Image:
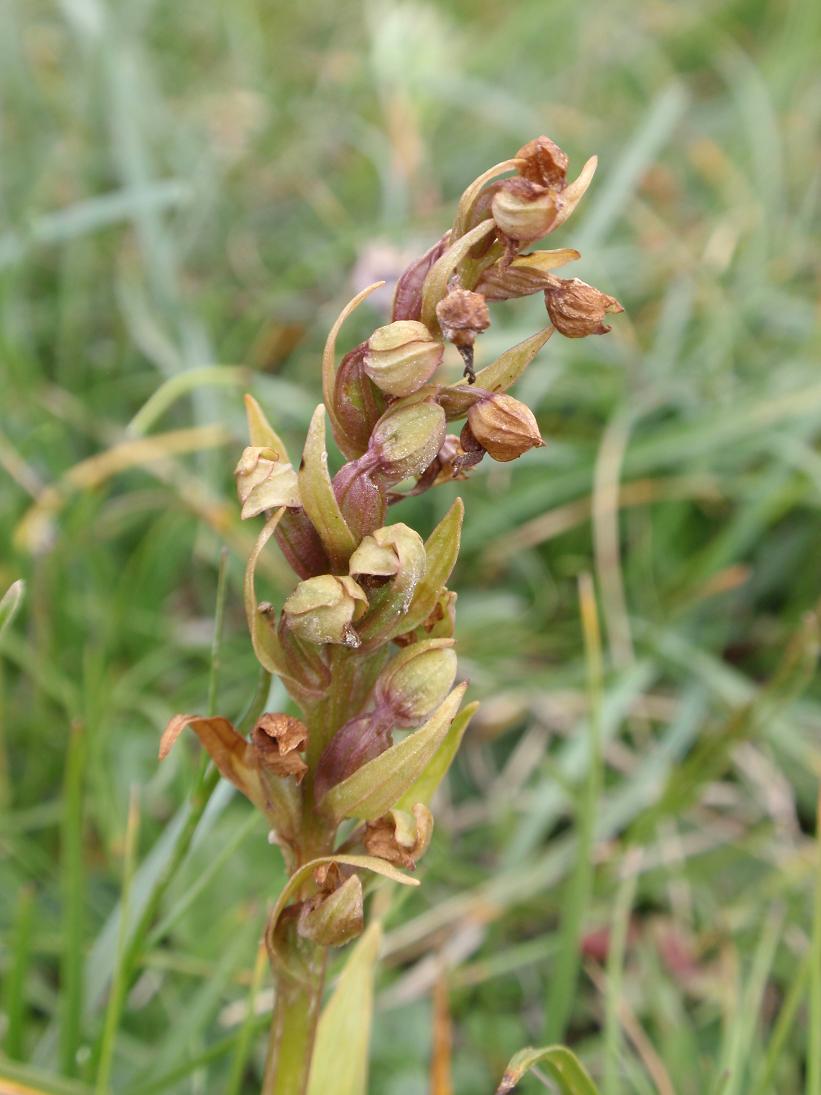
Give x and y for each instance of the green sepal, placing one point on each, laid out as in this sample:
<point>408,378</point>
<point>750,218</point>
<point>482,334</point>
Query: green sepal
<point>260,431</point>
<point>380,783</point>
<point>318,498</point>
<point>436,283</point>
<point>301,671</point>
<point>425,787</point>
<point>346,444</point>
<point>472,192</point>
<point>441,552</point>
<point>457,399</point>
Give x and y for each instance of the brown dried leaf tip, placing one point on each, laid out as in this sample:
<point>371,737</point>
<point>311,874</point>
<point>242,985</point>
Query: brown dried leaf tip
<point>278,740</point>
<point>399,837</point>
<point>576,309</point>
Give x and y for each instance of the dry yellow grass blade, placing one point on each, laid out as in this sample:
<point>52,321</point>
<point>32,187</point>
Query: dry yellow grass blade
<point>35,530</point>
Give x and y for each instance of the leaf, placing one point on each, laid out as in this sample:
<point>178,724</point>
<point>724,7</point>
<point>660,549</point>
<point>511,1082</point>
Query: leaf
<point>305,872</point>
<point>262,434</point>
<point>561,1065</point>
<point>378,785</point>
<point>300,667</point>
<point>340,1059</point>
<point>263,636</point>
<point>457,399</point>
<point>506,369</point>
<point>441,552</point>
<point>228,749</point>
<point>329,369</point>
<point>436,283</point>
<point>425,786</point>
<point>10,603</point>
<point>238,762</point>
<point>318,498</point>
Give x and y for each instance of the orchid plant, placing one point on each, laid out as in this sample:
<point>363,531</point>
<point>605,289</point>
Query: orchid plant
<point>364,644</point>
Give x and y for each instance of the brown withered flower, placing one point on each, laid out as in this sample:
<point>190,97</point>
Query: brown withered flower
<point>503,426</point>
<point>462,316</point>
<point>400,837</point>
<point>576,309</point>
<point>544,163</point>
<point>277,741</point>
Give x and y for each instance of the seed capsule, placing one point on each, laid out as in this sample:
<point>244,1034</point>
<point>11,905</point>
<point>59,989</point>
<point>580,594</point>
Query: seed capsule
<point>402,356</point>
<point>321,609</point>
<point>503,426</point>
<point>577,309</point>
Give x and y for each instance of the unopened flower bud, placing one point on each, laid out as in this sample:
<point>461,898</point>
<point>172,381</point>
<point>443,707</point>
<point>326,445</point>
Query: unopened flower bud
<point>334,918</point>
<point>577,309</point>
<point>388,551</point>
<point>405,440</point>
<point>523,210</point>
<point>416,681</point>
<point>264,481</point>
<point>399,837</point>
<point>402,356</point>
<point>358,403</point>
<point>504,426</point>
<point>322,609</point>
<point>277,742</point>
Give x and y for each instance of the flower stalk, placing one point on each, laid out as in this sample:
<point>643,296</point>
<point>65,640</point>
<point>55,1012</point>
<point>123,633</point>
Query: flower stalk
<point>364,643</point>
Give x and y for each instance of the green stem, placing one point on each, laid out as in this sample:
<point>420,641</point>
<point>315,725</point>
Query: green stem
<point>293,1029</point>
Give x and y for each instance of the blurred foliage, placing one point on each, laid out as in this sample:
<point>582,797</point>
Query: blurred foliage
<point>189,194</point>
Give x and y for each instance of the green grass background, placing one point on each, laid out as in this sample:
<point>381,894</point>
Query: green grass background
<point>189,193</point>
